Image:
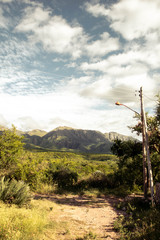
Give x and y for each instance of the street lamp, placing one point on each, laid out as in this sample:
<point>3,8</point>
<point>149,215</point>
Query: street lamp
<point>121,104</point>
<point>145,149</point>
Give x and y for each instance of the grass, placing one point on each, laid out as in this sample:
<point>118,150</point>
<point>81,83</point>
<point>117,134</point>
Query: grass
<point>44,188</point>
<point>29,223</point>
<point>141,222</point>
<point>21,223</point>
<point>88,236</point>
<point>40,220</point>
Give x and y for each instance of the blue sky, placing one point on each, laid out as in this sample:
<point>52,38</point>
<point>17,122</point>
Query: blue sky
<point>66,62</point>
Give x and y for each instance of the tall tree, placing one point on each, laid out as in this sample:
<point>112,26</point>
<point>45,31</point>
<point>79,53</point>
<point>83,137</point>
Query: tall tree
<point>10,148</point>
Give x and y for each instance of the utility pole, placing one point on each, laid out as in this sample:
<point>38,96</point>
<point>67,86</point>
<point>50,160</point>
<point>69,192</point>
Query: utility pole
<point>146,153</point>
<point>144,148</point>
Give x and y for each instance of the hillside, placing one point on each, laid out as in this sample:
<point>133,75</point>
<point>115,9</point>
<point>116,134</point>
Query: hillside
<point>36,132</point>
<point>69,139</point>
<point>113,136</point>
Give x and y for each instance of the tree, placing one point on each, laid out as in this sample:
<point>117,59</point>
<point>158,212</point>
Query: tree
<point>130,162</point>
<point>153,125</point>
<point>10,148</point>
<point>158,110</point>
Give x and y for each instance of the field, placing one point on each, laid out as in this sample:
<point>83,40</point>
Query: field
<point>74,197</point>
<point>59,211</point>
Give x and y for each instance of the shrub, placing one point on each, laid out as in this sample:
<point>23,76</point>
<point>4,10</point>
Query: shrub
<point>14,192</point>
<point>100,180</point>
<point>65,178</point>
<point>141,221</point>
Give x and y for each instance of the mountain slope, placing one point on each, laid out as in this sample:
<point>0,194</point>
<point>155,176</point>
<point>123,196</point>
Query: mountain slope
<point>78,140</point>
<point>36,132</point>
<point>113,136</point>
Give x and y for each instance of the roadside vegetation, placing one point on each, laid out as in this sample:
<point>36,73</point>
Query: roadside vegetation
<point>24,172</point>
<point>141,221</point>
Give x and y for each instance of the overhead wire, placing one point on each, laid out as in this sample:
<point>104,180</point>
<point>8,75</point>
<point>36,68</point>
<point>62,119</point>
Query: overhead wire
<point>150,98</point>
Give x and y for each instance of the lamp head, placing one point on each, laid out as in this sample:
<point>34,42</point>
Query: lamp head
<point>118,103</point>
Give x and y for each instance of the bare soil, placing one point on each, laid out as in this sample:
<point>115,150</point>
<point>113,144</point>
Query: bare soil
<point>82,215</point>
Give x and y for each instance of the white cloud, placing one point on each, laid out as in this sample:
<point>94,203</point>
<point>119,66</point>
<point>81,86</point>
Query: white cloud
<point>135,18</point>
<point>3,121</point>
<point>99,66</point>
<point>34,17</point>
<point>5,1</point>
<point>97,89</point>
<point>103,46</point>
<point>81,102</point>
<point>57,121</point>
<point>126,70</point>
<point>57,35</point>
<point>27,123</point>
<point>3,20</point>
<point>96,9</point>
<point>120,83</point>
<point>134,59</point>
<point>116,119</point>
<point>132,19</point>
<point>53,32</point>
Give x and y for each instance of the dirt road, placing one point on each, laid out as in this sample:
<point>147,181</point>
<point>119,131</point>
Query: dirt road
<point>84,216</point>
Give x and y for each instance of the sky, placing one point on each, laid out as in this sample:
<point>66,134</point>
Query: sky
<point>66,63</point>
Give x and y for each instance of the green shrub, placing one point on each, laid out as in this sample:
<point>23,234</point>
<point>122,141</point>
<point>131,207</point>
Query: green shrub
<point>14,192</point>
<point>141,222</point>
<point>100,180</point>
<point>65,178</point>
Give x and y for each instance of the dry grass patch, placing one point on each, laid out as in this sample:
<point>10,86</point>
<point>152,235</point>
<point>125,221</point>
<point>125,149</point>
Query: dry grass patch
<point>21,223</point>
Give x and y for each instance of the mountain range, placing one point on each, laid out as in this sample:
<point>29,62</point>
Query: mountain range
<point>70,139</point>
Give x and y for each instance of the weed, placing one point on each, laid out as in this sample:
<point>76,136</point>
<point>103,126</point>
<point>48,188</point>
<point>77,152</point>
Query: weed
<point>88,236</point>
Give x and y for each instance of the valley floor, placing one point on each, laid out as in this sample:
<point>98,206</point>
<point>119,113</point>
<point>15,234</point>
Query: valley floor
<point>81,217</point>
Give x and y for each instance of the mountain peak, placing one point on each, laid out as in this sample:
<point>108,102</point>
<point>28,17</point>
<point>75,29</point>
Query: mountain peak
<point>63,128</point>
<point>36,132</point>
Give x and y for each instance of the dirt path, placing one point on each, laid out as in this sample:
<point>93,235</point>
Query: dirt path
<point>84,215</point>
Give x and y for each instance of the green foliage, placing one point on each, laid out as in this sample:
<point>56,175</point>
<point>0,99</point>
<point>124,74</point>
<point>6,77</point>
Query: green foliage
<point>155,157</point>
<point>158,110</point>
<point>30,170</point>
<point>153,127</point>
<point>64,178</point>
<point>10,148</point>
<point>100,180</point>
<point>141,222</point>
<point>38,169</point>
<point>126,149</point>
<point>129,171</point>
<point>14,192</point>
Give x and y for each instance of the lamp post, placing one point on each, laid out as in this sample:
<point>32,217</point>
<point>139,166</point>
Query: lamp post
<point>121,104</point>
<point>145,148</point>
